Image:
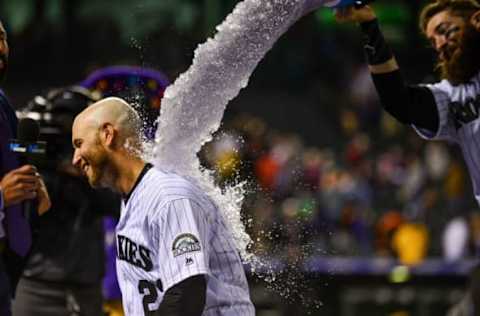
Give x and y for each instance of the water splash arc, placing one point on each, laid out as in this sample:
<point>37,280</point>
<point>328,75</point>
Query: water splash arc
<point>193,107</point>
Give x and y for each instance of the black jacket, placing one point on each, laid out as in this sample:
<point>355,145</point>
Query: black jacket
<point>69,241</point>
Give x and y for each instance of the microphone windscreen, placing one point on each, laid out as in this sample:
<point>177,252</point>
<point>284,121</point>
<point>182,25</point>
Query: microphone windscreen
<point>28,130</point>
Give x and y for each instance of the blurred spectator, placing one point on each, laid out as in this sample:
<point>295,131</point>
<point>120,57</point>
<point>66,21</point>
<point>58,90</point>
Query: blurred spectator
<point>385,228</point>
<point>410,241</point>
<point>455,239</point>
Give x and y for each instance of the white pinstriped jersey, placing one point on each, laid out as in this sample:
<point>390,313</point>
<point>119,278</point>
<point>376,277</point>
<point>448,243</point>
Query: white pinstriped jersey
<point>459,110</point>
<point>169,230</point>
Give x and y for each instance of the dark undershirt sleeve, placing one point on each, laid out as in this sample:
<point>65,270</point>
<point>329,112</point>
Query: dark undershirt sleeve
<point>186,298</point>
<point>408,104</point>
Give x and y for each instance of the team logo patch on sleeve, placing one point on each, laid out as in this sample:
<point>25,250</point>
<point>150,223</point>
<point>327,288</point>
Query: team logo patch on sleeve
<point>185,243</point>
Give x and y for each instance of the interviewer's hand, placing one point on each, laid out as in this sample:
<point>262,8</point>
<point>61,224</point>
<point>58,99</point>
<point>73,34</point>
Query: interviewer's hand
<point>350,14</point>
<point>19,185</point>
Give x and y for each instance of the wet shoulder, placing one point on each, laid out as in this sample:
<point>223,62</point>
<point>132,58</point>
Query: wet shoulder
<point>165,187</point>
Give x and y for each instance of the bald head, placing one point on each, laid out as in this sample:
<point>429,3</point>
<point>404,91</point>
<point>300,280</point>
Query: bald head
<point>113,116</point>
<point>113,111</point>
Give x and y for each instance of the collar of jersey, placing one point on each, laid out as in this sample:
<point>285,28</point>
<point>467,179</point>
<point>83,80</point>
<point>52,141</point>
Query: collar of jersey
<point>147,167</point>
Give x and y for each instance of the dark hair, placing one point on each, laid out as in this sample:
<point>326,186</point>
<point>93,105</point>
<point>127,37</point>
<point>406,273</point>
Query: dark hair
<point>462,8</point>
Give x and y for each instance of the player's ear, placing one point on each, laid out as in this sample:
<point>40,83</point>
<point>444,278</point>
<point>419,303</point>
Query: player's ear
<point>475,20</point>
<point>107,134</point>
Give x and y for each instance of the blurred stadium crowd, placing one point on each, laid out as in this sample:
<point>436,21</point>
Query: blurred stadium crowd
<point>384,192</point>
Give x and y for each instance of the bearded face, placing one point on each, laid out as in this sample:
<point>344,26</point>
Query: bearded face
<point>457,44</point>
<point>93,161</point>
<point>459,61</point>
<point>95,168</point>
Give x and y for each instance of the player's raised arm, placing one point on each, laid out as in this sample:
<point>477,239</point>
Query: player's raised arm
<point>379,56</point>
<point>413,105</point>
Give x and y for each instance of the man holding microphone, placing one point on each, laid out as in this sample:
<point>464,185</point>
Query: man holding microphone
<point>17,184</point>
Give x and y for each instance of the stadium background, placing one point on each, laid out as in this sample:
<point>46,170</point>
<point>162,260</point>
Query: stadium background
<point>378,221</point>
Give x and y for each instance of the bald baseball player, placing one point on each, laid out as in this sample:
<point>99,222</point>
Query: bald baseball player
<point>175,254</point>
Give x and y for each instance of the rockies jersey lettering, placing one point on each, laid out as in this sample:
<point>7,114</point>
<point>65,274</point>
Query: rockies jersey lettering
<point>169,230</point>
<point>459,109</point>
<point>134,254</point>
<point>465,112</point>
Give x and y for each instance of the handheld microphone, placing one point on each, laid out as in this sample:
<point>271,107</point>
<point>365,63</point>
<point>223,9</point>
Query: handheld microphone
<point>29,149</point>
<point>26,144</point>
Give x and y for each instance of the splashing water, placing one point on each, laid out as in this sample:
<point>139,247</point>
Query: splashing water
<point>193,107</point>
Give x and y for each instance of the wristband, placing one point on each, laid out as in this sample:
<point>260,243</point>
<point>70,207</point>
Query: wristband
<point>376,48</point>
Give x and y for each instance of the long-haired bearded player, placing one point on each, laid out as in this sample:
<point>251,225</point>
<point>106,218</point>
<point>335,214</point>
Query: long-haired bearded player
<point>449,109</point>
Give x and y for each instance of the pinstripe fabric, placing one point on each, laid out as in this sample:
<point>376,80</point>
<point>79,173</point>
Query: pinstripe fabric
<point>459,112</point>
<point>184,235</point>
